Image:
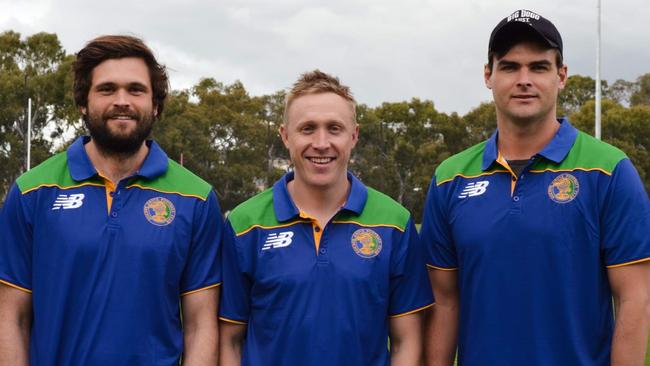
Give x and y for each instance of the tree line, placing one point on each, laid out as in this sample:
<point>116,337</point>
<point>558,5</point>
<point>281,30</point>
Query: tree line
<point>229,137</point>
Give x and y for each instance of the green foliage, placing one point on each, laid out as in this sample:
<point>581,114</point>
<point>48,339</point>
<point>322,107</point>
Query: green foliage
<point>230,138</point>
<point>626,128</point>
<point>35,67</point>
<point>227,137</point>
<point>641,94</point>
<point>399,147</point>
<point>577,91</point>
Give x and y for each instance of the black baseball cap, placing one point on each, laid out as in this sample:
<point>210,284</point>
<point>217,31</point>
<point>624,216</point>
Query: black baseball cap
<point>522,21</point>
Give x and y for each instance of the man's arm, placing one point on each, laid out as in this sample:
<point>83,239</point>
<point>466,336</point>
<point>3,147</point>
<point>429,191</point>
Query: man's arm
<point>631,288</point>
<point>232,341</point>
<point>406,340</point>
<point>441,327</point>
<point>15,326</point>
<point>200,329</point>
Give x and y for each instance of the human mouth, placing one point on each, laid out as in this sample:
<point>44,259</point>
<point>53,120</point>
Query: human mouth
<point>524,96</point>
<point>320,160</point>
<point>122,117</point>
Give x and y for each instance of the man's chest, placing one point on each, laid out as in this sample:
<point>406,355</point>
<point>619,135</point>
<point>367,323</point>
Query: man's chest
<point>82,223</point>
<point>536,212</point>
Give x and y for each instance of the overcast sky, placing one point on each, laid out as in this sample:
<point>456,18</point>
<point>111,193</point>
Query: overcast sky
<point>384,50</point>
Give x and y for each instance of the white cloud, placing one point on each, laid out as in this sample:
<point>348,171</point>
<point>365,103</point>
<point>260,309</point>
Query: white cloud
<point>385,50</point>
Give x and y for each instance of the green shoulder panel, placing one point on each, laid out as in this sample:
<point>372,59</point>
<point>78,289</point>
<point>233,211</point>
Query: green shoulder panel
<point>380,210</point>
<point>52,172</point>
<point>256,211</point>
<point>466,163</point>
<point>176,179</point>
<point>587,153</point>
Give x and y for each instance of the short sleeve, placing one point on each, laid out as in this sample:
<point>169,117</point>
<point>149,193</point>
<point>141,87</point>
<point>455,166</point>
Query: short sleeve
<point>435,232</point>
<point>235,295</point>
<point>410,290</point>
<point>15,242</point>
<point>203,267</point>
<point>625,218</point>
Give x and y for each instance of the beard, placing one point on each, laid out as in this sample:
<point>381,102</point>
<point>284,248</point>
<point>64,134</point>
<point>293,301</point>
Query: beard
<point>120,145</point>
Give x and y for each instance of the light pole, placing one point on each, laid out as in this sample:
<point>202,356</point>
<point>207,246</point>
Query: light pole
<point>597,128</point>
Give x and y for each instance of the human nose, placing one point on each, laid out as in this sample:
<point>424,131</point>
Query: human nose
<point>321,139</point>
<point>121,98</point>
<point>523,78</point>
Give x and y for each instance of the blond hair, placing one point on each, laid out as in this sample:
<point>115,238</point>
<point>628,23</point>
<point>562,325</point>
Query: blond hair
<point>316,82</point>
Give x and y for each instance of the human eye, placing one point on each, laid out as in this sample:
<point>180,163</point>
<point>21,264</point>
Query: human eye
<point>105,89</point>
<point>137,89</point>
<point>335,128</point>
<point>507,67</point>
<point>307,129</point>
<point>540,67</point>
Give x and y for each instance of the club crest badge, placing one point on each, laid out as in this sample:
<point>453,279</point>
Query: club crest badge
<point>159,211</point>
<point>366,243</point>
<point>564,188</point>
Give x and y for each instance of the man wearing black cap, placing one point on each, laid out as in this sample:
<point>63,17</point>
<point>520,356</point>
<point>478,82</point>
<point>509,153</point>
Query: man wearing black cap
<point>532,232</point>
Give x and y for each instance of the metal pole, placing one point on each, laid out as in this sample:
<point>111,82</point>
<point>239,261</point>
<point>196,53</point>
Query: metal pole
<point>29,132</point>
<point>598,89</point>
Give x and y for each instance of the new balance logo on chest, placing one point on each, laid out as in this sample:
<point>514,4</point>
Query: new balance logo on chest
<point>474,189</point>
<point>66,202</point>
<point>278,240</point>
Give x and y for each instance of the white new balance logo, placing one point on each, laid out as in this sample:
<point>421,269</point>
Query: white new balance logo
<point>278,240</point>
<point>67,202</point>
<point>474,189</point>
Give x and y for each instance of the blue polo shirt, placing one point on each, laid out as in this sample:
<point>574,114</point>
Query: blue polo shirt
<point>532,250</point>
<point>313,295</point>
<point>107,265</point>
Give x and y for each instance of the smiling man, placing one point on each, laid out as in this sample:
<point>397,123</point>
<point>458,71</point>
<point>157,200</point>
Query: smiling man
<point>104,246</point>
<point>532,232</point>
<point>322,268</point>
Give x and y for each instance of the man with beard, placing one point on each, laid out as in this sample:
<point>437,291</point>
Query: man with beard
<point>104,247</point>
<point>532,232</point>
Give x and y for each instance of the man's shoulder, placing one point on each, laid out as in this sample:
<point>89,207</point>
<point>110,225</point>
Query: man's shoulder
<point>53,172</point>
<point>257,211</point>
<point>382,210</point>
<point>177,180</point>
<point>466,163</point>
<point>589,153</point>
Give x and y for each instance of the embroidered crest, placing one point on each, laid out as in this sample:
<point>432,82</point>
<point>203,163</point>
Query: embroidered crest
<point>564,188</point>
<point>159,211</point>
<point>366,243</point>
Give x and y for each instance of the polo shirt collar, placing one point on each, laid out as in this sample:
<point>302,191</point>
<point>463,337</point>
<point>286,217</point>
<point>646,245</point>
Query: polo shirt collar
<point>81,168</point>
<point>285,209</point>
<point>555,151</point>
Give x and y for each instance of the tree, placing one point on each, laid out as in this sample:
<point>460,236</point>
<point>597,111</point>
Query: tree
<point>577,91</point>
<point>621,91</point>
<point>641,95</point>
<point>228,138</point>
<point>625,128</point>
<point>35,67</point>
<point>480,123</point>
<point>399,147</point>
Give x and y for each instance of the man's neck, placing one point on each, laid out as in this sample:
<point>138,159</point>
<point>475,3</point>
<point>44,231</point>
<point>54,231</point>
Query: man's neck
<point>522,141</point>
<point>116,167</point>
<point>317,202</point>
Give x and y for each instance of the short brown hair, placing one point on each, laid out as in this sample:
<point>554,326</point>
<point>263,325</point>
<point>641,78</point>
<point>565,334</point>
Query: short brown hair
<point>316,82</point>
<point>109,47</point>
